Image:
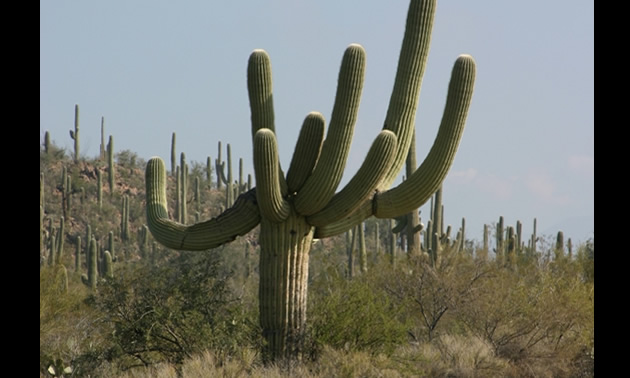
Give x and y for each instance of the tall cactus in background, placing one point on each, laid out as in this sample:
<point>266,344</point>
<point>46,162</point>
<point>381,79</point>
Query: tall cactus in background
<point>362,248</point>
<point>293,209</point>
<point>500,247</point>
<point>124,219</point>
<point>74,134</point>
<point>77,255</point>
<point>559,250</point>
<point>414,227</point>
<point>90,279</point>
<point>47,142</point>
<point>102,147</point>
<point>173,155</point>
<point>219,166</point>
<point>110,164</point>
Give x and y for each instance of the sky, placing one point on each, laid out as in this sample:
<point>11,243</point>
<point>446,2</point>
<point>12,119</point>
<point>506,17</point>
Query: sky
<point>151,68</point>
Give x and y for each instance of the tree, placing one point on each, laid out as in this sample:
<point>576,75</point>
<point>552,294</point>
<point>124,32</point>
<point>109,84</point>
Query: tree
<point>293,209</point>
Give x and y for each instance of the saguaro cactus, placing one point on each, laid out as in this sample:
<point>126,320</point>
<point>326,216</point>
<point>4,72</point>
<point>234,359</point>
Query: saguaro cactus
<point>173,155</point>
<point>293,209</point>
<point>102,147</point>
<point>110,163</point>
<point>74,134</point>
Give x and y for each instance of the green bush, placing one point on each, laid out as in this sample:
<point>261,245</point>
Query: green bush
<point>355,315</point>
<point>170,312</point>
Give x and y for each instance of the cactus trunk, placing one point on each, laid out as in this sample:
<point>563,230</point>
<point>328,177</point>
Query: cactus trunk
<point>284,254</point>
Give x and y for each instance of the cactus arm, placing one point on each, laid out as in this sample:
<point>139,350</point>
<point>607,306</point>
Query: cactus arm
<point>403,103</point>
<point>307,150</point>
<point>414,191</point>
<point>418,188</point>
<point>266,167</point>
<point>260,91</point>
<point>362,186</point>
<point>321,185</point>
<point>237,220</point>
<point>259,87</point>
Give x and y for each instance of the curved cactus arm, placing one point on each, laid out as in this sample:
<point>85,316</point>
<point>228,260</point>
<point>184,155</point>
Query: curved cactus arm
<point>269,194</point>
<point>403,103</point>
<point>259,86</point>
<point>260,91</point>
<point>237,220</point>
<point>322,183</point>
<point>307,149</point>
<point>418,188</point>
<point>364,183</point>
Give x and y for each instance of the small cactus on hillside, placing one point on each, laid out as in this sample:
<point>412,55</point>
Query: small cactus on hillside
<point>75,134</point>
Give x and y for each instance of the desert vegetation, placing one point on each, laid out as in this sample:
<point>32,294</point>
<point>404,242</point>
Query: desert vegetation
<point>160,273</point>
<point>167,313</point>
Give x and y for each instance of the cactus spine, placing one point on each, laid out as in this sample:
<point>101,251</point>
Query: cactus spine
<point>295,208</point>
<point>75,134</point>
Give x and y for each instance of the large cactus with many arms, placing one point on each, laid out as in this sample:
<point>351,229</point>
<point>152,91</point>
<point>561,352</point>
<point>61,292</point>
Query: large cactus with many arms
<point>293,209</point>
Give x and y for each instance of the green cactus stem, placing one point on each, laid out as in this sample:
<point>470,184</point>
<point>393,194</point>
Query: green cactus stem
<point>559,250</point>
<point>363,263</point>
<point>47,142</point>
<point>143,235</point>
<point>500,232</point>
<point>173,155</point>
<point>108,265</point>
<point>103,148</point>
<point>183,186</point>
<point>197,194</point>
<point>90,279</point>
<point>110,243</point>
<point>60,238</point>
<point>77,255</point>
<point>351,238</point>
<point>125,234</point>
<point>52,253</point>
<point>219,166</point>
<point>74,134</point>
<point>292,212</point>
<point>413,218</point>
<point>110,164</point>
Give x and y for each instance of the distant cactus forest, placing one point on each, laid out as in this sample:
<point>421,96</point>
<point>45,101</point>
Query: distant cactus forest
<point>204,269</point>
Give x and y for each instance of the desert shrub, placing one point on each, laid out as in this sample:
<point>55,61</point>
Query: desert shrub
<point>169,312</point>
<point>355,315</point>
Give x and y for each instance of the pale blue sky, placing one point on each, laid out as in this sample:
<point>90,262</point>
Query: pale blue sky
<point>156,67</point>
